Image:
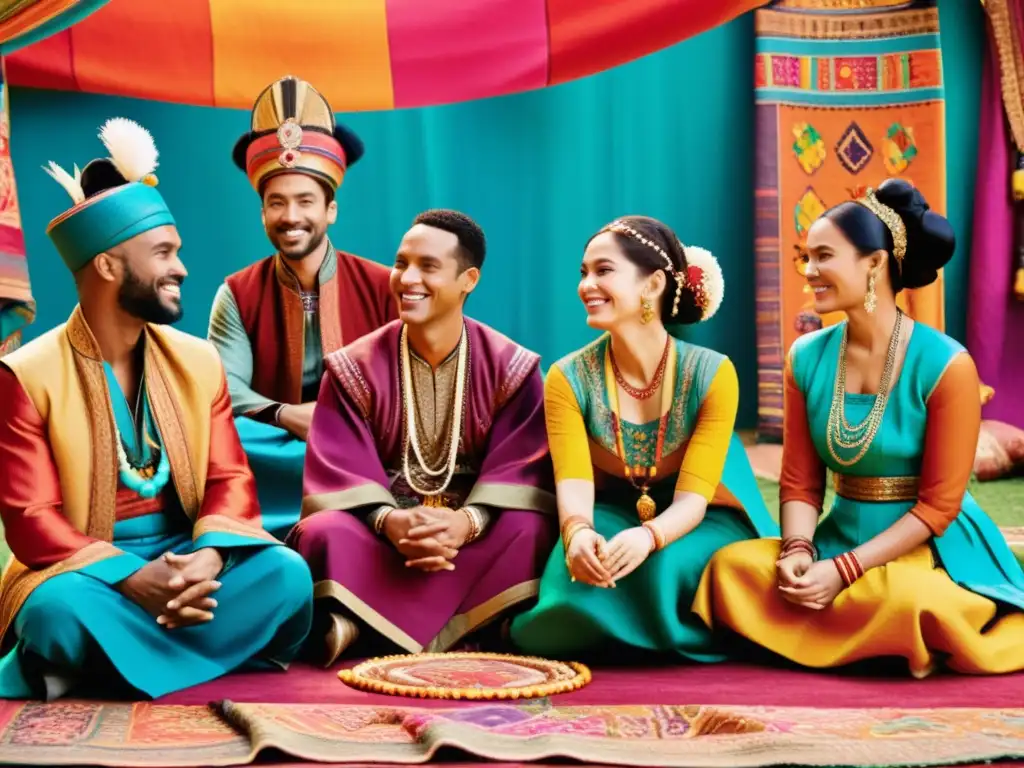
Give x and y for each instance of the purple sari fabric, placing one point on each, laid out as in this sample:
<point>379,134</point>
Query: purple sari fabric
<point>995,321</point>
<point>357,433</point>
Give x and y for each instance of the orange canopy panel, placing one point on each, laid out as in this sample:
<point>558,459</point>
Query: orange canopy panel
<point>361,54</point>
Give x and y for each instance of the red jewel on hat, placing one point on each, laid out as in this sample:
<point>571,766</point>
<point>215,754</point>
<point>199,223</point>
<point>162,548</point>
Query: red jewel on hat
<point>289,158</point>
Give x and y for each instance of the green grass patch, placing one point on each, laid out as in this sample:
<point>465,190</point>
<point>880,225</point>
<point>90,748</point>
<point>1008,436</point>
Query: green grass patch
<point>1002,500</point>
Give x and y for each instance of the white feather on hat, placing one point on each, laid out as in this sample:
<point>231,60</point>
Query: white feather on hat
<point>72,184</point>
<point>131,147</point>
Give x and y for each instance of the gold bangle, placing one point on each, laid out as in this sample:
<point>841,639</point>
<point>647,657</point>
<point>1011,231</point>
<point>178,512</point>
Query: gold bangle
<point>571,521</point>
<point>474,523</point>
<point>572,531</point>
<point>378,523</point>
<point>659,537</point>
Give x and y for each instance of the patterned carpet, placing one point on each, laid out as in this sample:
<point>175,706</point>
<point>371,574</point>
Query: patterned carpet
<point>144,735</point>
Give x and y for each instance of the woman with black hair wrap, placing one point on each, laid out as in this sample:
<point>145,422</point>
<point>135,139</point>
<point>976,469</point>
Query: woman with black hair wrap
<point>906,564</point>
<point>651,479</point>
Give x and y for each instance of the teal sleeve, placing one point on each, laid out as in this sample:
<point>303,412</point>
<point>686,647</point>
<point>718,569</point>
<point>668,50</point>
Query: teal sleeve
<point>113,570</point>
<point>228,335</point>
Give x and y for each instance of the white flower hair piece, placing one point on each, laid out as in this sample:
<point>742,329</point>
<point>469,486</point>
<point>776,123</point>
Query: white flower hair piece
<point>72,184</point>
<point>132,149</point>
<point>705,278</point>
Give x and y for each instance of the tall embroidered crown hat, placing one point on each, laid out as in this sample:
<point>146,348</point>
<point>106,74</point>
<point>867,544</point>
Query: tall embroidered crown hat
<point>293,130</point>
<point>114,198</point>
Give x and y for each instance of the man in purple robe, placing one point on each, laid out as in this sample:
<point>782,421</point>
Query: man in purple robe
<point>427,506</point>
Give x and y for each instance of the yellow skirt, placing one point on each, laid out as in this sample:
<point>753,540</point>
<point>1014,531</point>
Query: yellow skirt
<point>906,608</point>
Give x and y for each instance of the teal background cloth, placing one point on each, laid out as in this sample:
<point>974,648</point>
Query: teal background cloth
<point>669,135</point>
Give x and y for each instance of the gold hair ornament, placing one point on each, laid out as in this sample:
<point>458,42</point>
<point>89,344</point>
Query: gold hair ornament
<point>703,274</point>
<point>892,221</point>
<point>624,229</point>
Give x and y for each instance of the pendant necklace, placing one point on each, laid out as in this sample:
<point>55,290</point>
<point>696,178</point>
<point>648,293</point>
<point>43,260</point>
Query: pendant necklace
<point>144,481</point>
<point>640,476</point>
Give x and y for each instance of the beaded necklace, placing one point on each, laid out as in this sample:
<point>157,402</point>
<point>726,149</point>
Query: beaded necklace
<point>431,497</point>
<point>840,433</point>
<point>640,477</point>
<point>143,480</point>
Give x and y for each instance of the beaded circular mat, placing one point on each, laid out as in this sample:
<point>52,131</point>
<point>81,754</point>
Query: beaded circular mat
<point>466,676</point>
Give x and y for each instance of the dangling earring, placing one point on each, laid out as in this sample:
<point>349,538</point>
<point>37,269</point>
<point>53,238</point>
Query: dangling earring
<point>870,300</point>
<point>646,310</point>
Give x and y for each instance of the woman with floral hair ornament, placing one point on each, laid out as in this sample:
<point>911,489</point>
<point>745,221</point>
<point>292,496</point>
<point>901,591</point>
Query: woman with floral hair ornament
<point>906,564</point>
<point>651,479</point>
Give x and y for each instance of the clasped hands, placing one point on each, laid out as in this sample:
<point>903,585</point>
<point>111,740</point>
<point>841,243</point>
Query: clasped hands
<point>428,537</point>
<point>176,589</point>
<point>806,582</point>
<point>601,563</point>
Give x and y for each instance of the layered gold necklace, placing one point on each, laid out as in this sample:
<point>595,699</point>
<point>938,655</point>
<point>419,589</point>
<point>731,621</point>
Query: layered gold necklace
<point>639,476</point>
<point>447,469</point>
<point>840,433</point>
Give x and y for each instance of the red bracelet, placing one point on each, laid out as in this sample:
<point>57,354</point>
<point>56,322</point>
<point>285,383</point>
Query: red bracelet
<point>849,567</point>
<point>798,543</point>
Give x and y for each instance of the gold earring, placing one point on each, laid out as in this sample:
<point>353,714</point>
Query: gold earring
<point>646,310</point>
<point>870,300</point>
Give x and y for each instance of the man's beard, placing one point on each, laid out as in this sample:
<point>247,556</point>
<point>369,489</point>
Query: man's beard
<point>143,301</point>
<point>316,241</point>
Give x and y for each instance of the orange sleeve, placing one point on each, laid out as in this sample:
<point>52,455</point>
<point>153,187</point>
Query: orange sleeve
<point>30,499</point>
<point>950,443</point>
<point>803,471</point>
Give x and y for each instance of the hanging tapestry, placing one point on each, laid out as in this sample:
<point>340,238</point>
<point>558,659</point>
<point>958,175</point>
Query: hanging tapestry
<point>17,307</point>
<point>848,93</point>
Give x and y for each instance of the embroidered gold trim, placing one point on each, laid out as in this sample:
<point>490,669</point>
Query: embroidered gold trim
<point>771,23</point>
<point>225,524</point>
<point>335,591</point>
<point>19,581</point>
<point>903,488</point>
<point>351,378</point>
<point>294,319</point>
<point>461,624</point>
<point>349,498</point>
<point>103,480</point>
<point>839,5</point>
<point>511,496</point>
<point>331,331</point>
<point>519,368</point>
<point>1011,71</point>
<point>172,432</point>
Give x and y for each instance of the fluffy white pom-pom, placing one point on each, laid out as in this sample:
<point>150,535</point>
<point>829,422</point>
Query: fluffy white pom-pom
<point>131,147</point>
<point>713,280</point>
<point>72,184</point>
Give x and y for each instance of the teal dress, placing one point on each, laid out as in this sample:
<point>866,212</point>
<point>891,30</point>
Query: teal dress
<point>75,626</point>
<point>972,550</point>
<point>649,609</point>
<point>955,600</point>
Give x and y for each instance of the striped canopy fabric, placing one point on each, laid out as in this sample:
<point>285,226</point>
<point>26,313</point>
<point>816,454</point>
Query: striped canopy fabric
<point>361,54</point>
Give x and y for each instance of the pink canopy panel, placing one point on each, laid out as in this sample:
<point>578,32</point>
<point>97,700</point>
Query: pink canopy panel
<point>361,54</point>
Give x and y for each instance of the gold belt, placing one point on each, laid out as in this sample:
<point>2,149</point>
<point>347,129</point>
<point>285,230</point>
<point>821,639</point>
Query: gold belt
<point>876,488</point>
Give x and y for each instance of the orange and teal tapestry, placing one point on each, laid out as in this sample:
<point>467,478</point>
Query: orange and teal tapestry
<point>848,94</point>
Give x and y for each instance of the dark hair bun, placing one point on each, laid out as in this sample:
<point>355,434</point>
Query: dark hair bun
<point>930,237</point>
